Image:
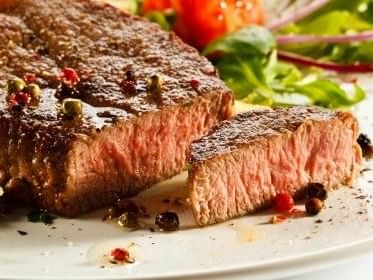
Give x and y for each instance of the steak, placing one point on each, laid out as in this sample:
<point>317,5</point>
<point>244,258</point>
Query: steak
<point>245,162</point>
<point>126,140</point>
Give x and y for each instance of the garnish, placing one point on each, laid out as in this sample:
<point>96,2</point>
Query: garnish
<point>15,86</point>
<point>313,206</point>
<point>129,83</point>
<point>284,202</point>
<point>366,145</point>
<point>19,94</point>
<point>72,107</point>
<point>34,91</point>
<point>29,78</point>
<point>40,216</point>
<point>194,84</point>
<point>335,31</point>
<point>316,190</point>
<point>128,220</point>
<point>69,77</point>
<point>155,84</point>
<point>167,221</point>
<point>200,22</point>
<point>120,255</point>
<point>247,61</point>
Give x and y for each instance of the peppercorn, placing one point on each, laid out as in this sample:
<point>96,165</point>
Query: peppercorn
<point>316,190</point>
<point>128,220</point>
<point>167,221</point>
<point>13,105</point>
<point>22,98</point>
<point>314,206</point>
<point>15,86</point>
<point>366,145</point>
<point>69,77</point>
<point>284,202</point>
<point>33,90</point>
<point>195,84</point>
<point>121,255</point>
<point>155,84</point>
<point>29,78</point>
<point>130,76</point>
<point>72,107</point>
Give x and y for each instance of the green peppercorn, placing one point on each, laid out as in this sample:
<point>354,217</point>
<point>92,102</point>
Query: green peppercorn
<point>155,83</point>
<point>15,86</point>
<point>34,91</point>
<point>128,220</point>
<point>314,206</point>
<point>72,107</point>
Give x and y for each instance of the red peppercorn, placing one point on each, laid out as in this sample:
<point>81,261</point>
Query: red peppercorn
<point>129,87</point>
<point>284,202</point>
<point>69,76</point>
<point>29,78</point>
<point>194,84</point>
<point>22,98</point>
<point>13,105</point>
<point>120,255</point>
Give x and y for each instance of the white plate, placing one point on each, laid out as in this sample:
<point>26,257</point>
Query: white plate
<point>248,247</point>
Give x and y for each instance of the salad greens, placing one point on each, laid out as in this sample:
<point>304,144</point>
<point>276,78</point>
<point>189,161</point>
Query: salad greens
<point>247,61</point>
<point>259,64</point>
<point>335,18</point>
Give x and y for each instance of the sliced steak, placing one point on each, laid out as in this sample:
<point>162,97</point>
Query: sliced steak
<point>125,141</point>
<point>242,165</point>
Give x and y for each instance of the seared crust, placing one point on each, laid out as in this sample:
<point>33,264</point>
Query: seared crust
<point>101,43</point>
<point>41,37</point>
<point>254,126</point>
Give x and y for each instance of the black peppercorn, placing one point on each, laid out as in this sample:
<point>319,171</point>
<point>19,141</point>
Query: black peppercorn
<point>366,145</point>
<point>167,221</point>
<point>316,190</point>
<point>314,206</point>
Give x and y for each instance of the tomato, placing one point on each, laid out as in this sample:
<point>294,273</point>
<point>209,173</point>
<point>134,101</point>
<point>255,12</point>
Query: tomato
<point>199,22</point>
<point>156,5</point>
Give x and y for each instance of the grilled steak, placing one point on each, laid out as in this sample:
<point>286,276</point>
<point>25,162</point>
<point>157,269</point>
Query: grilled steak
<point>245,162</point>
<point>126,140</point>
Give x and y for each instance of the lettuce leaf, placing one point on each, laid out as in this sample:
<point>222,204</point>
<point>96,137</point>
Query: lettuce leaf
<point>247,62</point>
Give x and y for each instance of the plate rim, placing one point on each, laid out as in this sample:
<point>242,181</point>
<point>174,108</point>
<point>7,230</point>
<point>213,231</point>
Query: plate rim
<point>263,270</point>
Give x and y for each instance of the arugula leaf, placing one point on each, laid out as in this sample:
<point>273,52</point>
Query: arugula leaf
<point>248,64</point>
<point>254,40</point>
<point>327,93</point>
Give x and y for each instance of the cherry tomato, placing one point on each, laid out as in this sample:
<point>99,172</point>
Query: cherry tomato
<point>156,5</point>
<point>284,202</point>
<point>200,22</point>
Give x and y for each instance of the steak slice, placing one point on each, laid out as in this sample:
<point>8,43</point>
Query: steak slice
<point>125,141</point>
<point>244,163</point>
